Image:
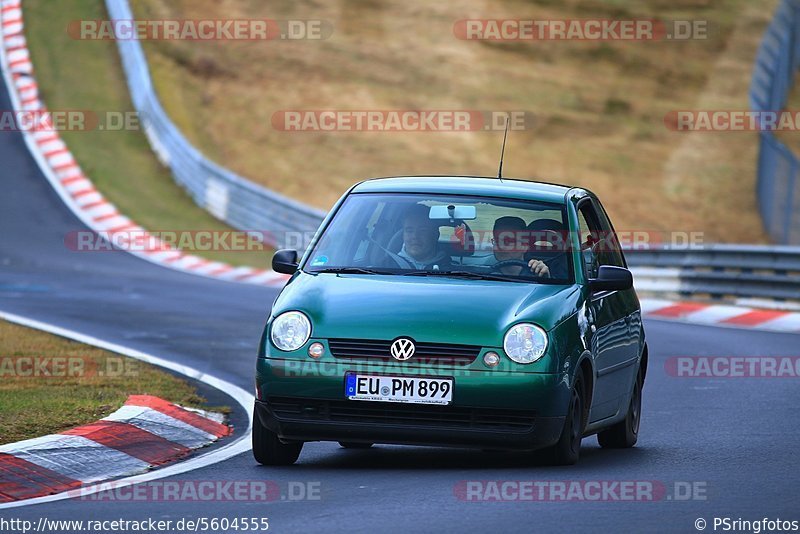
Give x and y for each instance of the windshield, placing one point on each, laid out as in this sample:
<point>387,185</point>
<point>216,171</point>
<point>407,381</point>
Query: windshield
<point>445,235</point>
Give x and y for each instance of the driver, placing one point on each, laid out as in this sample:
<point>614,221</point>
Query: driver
<point>507,247</point>
<point>421,240</point>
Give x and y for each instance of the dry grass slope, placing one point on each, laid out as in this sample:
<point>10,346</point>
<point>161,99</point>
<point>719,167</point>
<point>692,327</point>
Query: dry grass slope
<point>599,106</point>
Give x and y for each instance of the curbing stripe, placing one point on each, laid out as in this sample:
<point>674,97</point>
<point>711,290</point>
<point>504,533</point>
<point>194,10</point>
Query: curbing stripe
<point>190,418</point>
<point>755,317</point>
<point>20,479</point>
<point>679,309</point>
<point>162,425</point>
<point>76,457</point>
<point>722,315</point>
<point>132,441</point>
<point>110,448</point>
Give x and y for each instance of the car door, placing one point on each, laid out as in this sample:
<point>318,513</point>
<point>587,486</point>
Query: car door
<point>613,347</point>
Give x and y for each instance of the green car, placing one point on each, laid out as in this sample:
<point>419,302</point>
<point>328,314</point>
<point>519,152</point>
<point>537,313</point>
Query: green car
<point>454,311</point>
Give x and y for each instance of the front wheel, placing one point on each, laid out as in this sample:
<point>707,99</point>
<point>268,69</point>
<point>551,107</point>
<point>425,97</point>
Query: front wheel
<point>567,450</point>
<point>624,434</point>
<point>268,449</point>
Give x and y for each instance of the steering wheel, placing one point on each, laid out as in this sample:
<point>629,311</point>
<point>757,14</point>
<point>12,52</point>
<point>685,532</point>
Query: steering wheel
<point>507,263</point>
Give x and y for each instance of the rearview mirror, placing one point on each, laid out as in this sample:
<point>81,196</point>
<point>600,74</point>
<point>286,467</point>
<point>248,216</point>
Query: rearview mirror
<point>285,261</point>
<point>610,278</point>
<point>464,213</point>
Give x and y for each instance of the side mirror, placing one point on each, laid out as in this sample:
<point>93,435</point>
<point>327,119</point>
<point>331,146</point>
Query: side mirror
<point>610,278</point>
<point>285,261</point>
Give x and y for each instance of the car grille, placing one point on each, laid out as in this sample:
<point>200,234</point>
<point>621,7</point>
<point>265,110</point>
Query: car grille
<point>369,349</point>
<point>385,413</point>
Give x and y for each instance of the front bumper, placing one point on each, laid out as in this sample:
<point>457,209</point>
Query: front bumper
<point>305,401</point>
<point>317,420</point>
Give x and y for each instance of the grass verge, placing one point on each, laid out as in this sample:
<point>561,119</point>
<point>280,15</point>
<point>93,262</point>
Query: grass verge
<point>87,75</point>
<point>50,384</point>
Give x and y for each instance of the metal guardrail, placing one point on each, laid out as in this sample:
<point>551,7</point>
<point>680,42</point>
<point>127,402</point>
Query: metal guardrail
<point>227,196</point>
<point>776,64</point>
<point>721,271</point>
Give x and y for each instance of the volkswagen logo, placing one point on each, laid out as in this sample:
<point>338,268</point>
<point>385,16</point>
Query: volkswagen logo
<point>402,349</point>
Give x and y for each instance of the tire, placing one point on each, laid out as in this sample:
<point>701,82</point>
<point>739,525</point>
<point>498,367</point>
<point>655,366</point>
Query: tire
<point>268,449</point>
<point>354,445</point>
<point>567,450</point>
<point>624,434</point>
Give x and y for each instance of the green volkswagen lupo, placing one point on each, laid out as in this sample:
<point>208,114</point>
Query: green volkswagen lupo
<point>455,311</point>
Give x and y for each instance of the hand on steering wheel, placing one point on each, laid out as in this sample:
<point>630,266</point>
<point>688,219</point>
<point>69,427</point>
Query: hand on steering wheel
<point>539,268</point>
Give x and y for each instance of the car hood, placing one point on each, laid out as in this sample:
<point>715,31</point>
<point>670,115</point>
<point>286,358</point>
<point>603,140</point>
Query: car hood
<point>447,310</point>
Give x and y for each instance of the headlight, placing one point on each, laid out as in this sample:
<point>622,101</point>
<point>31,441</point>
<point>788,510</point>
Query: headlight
<point>290,331</point>
<point>525,343</point>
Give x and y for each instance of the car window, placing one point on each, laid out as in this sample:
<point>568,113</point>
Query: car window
<point>587,232</point>
<point>599,245</point>
<point>612,251</point>
<point>420,233</point>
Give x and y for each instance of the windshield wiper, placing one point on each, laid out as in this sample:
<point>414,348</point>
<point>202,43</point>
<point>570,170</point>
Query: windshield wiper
<point>348,270</point>
<point>465,274</point>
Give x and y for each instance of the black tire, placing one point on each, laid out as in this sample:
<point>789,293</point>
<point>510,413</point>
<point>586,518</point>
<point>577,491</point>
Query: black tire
<point>567,450</point>
<point>354,445</point>
<point>268,449</point>
<point>624,434</point>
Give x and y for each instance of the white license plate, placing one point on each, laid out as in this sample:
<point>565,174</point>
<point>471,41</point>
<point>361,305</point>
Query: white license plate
<point>408,389</point>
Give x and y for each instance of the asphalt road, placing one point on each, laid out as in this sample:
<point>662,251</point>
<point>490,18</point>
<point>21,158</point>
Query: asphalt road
<point>735,439</point>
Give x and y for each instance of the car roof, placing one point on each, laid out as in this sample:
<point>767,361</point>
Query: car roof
<point>470,185</point>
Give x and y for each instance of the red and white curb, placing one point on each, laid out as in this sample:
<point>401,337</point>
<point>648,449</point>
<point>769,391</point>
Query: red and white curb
<point>76,189</point>
<point>145,433</point>
<point>722,315</point>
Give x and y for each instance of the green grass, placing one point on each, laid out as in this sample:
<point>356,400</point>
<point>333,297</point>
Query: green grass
<point>87,75</point>
<point>32,406</point>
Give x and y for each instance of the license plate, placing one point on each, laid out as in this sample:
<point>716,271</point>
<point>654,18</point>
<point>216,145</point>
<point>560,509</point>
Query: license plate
<point>408,389</point>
